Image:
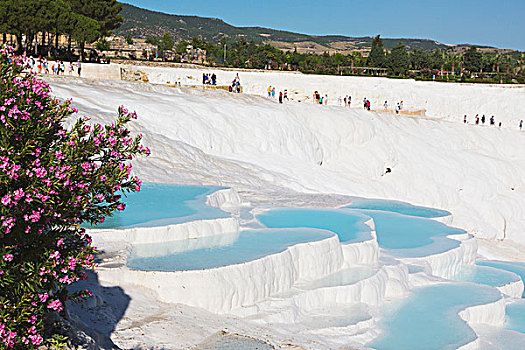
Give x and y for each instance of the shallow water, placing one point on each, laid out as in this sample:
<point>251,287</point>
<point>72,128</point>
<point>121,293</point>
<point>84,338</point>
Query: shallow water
<point>485,275</point>
<point>515,267</point>
<point>515,318</point>
<point>219,250</point>
<point>428,319</point>
<point>410,236</point>
<point>397,207</point>
<point>164,204</point>
<point>349,226</point>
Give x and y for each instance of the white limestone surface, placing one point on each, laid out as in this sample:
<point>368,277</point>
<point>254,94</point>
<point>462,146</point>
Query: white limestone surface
<point>224,288</point>
<point>448,263</point>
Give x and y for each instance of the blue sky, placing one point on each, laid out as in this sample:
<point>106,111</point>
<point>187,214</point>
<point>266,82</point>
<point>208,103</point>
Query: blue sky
<point>499,23</point>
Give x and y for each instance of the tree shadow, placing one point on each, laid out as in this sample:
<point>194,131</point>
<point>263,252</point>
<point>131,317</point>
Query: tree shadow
<point>98,315</point>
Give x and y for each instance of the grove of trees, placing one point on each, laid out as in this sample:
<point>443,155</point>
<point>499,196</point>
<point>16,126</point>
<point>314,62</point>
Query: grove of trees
<point>37,24</point>
<point>399,61</point>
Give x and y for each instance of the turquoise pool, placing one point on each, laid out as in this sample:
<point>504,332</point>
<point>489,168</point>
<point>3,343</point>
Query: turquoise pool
<point>164,204</point>
<point>515,318</point>
<point>219,250</point>
<point>397,207</point>
<point>410,236</point>
<point>428,319</point>
<point>349,226</point>
<point>515,267</point>
<point>485,275</point>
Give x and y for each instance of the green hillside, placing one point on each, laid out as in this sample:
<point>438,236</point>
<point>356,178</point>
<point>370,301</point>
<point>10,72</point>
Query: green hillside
<point>141,23</point>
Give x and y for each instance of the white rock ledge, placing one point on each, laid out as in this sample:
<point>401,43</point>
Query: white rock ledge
<point>492,314</point>
<point>221,289</point>
<point>448,263</point>
<point>227,200</point>
<point>186,230</point>
<point>513,289</point>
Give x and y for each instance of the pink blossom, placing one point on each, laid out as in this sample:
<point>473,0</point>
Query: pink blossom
<point>8,257</point>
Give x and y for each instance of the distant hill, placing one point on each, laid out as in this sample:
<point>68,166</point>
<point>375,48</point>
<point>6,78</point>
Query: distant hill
<point>141,23</point>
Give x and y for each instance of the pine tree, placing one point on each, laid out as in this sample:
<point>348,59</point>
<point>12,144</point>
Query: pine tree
<point>376,58</point>
<point>398,59</point>
<point>472,60</point>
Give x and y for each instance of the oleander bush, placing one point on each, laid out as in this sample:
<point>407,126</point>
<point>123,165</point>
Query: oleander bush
<point>52,179</point>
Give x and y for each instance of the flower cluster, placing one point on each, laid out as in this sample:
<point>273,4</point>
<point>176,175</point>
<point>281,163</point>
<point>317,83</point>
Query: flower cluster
<point>52,179</point>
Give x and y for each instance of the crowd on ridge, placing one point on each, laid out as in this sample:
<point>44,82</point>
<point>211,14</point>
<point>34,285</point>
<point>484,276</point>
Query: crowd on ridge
<point>41,65</point>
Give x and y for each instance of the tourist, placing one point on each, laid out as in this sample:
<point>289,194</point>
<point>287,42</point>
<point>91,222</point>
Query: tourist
<point>213,79</point>
<point>280,97</point>
<point>285,95</point>
<point>477,120</point>
<point>79,67</point>
<point>499,125</point>
<point>401,105</point>
<point>273,92</point>
<point>465,119</point>
<point>325,100</point>
<point>367,105</point>
<point>386,105</point>
<point>364,103</point>
<point>339,100</point>
<point>345,99</point>
<point>70,72</point>
<point>492,120</point>
<point>270,91</point>
<point>521,124</point>
<point>483,119</point>
<point>349,101</point>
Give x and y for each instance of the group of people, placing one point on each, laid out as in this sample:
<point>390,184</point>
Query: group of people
<point>209,79</point>
<point>236,84</point>
<point>483,119</point>
<point>283,95</point>
<point>366,104</point>
<point>42,65</point>
<point>344,101</point>
<point>322,100</point>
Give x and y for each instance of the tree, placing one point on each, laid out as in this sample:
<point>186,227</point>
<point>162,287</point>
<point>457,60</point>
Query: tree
<point>152,40</point>
<point>85,30</point>
<point>166,43</point>
<point>398,59</point>
<point>419,59</point>
<point>104,15</point>
<point>376,58</point>
<point>180,48</point>
<point>472,60</point>
<point>52,179</point>
<point>129,39</point>
<point>103,45</point>
<point>105,12</point>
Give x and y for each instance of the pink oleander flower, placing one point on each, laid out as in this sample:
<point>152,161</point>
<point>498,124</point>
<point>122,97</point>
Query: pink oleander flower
<point>8,257</point>
<point>55,305</point>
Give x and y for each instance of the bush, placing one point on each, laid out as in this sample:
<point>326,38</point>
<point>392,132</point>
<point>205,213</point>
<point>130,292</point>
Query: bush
<point>52,179</point>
